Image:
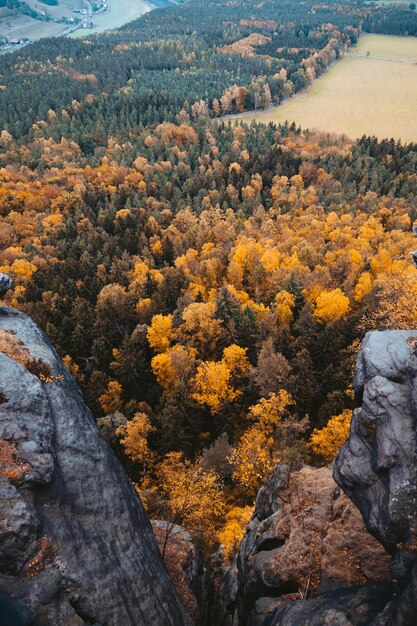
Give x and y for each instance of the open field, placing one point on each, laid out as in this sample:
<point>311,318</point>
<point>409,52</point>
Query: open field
<point>359,95</point>
<point>21,26</point>
<point>121,12</point>
<point>64,8</point>
<point>24,26</point>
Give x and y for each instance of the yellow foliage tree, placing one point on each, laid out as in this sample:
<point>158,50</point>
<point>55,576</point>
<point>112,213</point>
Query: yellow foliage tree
<point>160,332</point>
<point>232,532</point>
<point>194,496</point>
<point>134,438</point>
<point>73,368</point>
<point>327,441</point>
<point>212,384</point>
<point>235,167</point>
<point>331,305</point>
<point>259,449</point>
<point>268,412</point>
<point>20,268</point>
<point>284,306</point>
<point>173,367</point>
<point>200,326</point>
<point>363,287</point>
<point>236,360</point>
<point>252,460</point>
<point>111,400</point>
<point>392,304</point>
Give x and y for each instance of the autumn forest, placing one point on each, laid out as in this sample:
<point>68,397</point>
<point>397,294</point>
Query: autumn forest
<point>206,283</point>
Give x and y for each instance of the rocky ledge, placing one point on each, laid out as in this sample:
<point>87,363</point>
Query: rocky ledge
<point>311,555</point>
<point>75,544</point>
<point>305,538</point>
<point>377,466</point>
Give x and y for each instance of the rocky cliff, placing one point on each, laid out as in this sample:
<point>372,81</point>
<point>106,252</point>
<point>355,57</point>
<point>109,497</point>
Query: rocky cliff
<point>305,537</point>
<point>377,466</point>
<point>75,544</point>
<point>310,557</point>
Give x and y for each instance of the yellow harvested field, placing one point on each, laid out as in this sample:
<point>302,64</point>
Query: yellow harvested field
<point>360,94</point>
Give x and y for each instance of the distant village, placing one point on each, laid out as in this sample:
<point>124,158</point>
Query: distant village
<point>82,19</point>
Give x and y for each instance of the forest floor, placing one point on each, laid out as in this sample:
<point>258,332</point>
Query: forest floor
<point>372,91</point>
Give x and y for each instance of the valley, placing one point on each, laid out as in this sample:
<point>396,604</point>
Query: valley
<point>372,90</point>
<point>205,365</point>
<point>119,14</point>
<point>66,19</point>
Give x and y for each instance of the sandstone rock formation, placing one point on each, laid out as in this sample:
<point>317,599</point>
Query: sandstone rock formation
<point>5,284</point>
<point>377,466</point>
<point>305,537</point>
<point>227,587</point>
<point>75,544</point>
<point>355,606</point>
<point>185,567</point>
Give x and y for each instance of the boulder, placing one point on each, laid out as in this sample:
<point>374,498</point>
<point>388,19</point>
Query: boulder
<point>5,284</point>
<point>377,466</point>
<point>355,606</point>
<point>76,546</point>
<point>305,537</point>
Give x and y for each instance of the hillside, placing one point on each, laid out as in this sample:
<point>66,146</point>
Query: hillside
<point>370,91</point>
<point>184,285</point>
<point>207,284</point>
<point>180,57</point>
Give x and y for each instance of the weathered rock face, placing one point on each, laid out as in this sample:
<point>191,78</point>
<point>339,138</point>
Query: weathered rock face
<point>354,606</point>
<point>186,568</point>
<point>377,466</point>
<point>5,284</point>
<point>75,544</point>
<point>305,536</point>
<point>227,588</point>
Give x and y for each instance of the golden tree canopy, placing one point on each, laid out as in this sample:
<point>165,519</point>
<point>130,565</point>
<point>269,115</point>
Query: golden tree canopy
<point>327,441</point>
<point>134,437</point>
<point>331,306</point>
<point>160,332</point>
<point>212,384</point>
